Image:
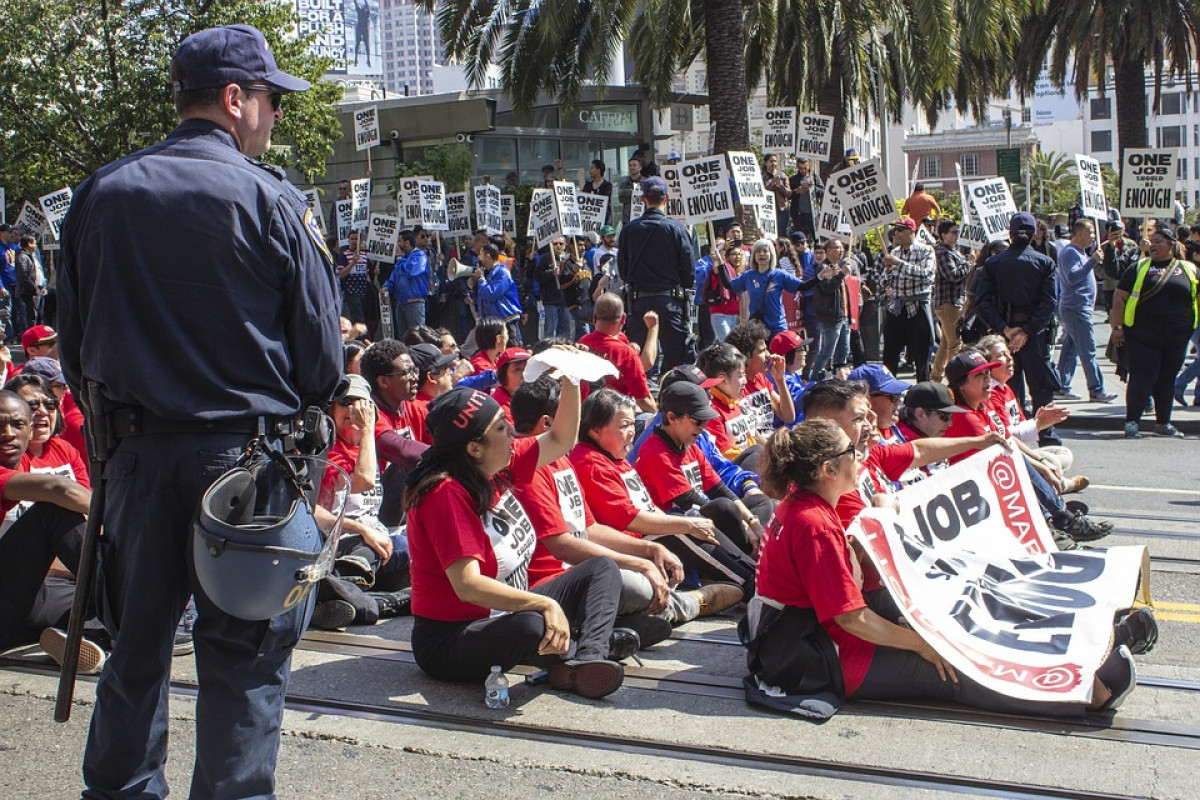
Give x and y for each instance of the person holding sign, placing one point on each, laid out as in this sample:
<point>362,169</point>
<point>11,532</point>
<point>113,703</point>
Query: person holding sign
<point>775,181</point>
<point>813,634</point>
<point>409,283</point>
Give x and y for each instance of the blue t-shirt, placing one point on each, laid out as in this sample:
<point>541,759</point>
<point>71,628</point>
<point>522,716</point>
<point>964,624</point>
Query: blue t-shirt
<point>766,294</point>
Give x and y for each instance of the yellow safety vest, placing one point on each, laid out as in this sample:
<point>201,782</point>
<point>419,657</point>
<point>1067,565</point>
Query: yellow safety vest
<point>1143,267</point>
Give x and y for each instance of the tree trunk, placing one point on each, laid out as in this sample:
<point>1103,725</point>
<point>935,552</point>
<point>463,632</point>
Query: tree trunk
<point>725,60</point>
<point>1130,78</point>
<point>831,102</point>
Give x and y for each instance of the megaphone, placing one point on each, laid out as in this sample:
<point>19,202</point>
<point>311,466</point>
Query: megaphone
<point>455,270</point>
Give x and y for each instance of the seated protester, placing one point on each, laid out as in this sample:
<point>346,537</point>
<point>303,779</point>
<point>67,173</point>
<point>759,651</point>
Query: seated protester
<point>742,482</point>
<point>568,534</point>
<point>72,415</point>
<point>367,548</point>
<point>886,392</point>
<point>608,342</point>
<point>926,413</point>
<point>47,452</point>
<point>618,498</point>
<point>733,430</point>
<point>510,374</point>
<point>491,337</point>
<point>679,479</point>
<point>764,283</point>
<point>470,542</point>
<point>435,371</point>
<point>400,434</point>
<point>793,349</point>
<point>352,350</point>
<point>495,291</point>
<point>759,398</point>
<point>969,376</point>
<point>812,634</point>
<point>1004,402</point>
<point>34,599</point>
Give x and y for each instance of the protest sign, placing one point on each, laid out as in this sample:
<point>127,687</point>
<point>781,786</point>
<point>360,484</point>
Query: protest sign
<point>458,215</point>
<point>970,561</point>
<point>508,215</point>
<point>1148,183</point>
<point>779,131</point>
<point>747,178</point>
<point>831,220</point>
<point>674,207</point>
<point>31,218</point>
<point>994,206</point>
<point>312,199</point>
<point>366,127</point>
<point>704,185</point>
<point>382,233</point>
<point>544,223</point>
<point>345,219</point>
<point>1091,187</point>
<point>570,221</point>
<point>972,234</point>
<point>360,198</point>
<point>487,209</point>
<point>593,209</point>
<point>410,199</point>
<point>863,195</point>
<point>765,218</point>
<point>54,207</point>
<point>814,135</point>
<point>433,205</point>
<point>963,199</point>
<point>636,206</point>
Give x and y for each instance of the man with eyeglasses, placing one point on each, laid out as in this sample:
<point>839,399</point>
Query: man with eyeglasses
<point>886,390</point>
<point>213,270</point>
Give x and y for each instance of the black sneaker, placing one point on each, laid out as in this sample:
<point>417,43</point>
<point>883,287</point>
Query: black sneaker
<point>393,604</point>
<point>1062,541</point>
<point>1138,631</point>
<point>1083,529</point>
<point>650,629</point>
<point>622,643</point>
<point>332,615</point>
<point>1119,675</point>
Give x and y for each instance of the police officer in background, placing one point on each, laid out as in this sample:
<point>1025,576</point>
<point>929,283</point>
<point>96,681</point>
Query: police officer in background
<point>208,267</point>
<point>655,258</point>
<point>1016,293</point>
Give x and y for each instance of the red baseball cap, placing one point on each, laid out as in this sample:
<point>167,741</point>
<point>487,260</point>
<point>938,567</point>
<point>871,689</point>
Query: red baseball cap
<point>38,334</point>
<point>512,354</point>
<point>906,222</point>
<point>785,342</point>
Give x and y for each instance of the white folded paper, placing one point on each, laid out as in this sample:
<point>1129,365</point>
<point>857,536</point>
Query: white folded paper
<point>577,365</point>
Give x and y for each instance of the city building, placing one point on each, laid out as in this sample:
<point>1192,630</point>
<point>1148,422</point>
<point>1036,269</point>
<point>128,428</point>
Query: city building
<point>411,48</point>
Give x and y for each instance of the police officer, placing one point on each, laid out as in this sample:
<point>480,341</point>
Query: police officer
<point>655,258</point>
<point>198,303</point>
<point>1016,293</point>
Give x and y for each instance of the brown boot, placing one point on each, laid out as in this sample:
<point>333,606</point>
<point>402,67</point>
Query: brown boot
<point>716,597</point>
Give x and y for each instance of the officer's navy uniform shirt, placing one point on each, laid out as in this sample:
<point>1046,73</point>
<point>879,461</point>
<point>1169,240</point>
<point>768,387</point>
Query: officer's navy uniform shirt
<point>192,286</point>
<point>1017,282</point>
<point>654,254</point>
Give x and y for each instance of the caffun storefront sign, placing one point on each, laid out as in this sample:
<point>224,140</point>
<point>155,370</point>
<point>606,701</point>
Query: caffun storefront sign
<point>615,117</point>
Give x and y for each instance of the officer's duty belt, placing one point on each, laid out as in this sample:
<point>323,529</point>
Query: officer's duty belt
<point>132,421</point>
<point>672,293</point>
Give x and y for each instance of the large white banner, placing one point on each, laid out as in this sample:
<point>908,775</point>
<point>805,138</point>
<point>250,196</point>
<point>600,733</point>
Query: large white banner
<point>433,206</point>
<point>993,206</point>
<point>366,128</point>
<point>593,208</point>
<point>488,214</point>
<point>747,178</point>
<point>1091,188</point>
<point>864,196</point>
<point>544,223</point>
<point>971,563</point>
<point>364,42</point>
<point>383,232</point>
<point>704,184</point>
<point>779,131</point>
<point>1148,183</point>
<point>458,214</point>
<point>55,206</point>
<point>814,135</point>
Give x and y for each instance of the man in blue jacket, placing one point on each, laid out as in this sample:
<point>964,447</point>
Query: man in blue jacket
<point>496,292</point>
<point>409,283</point>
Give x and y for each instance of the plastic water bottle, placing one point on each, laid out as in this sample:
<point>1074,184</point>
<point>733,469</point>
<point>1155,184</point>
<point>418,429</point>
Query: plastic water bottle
<point>495,689</point>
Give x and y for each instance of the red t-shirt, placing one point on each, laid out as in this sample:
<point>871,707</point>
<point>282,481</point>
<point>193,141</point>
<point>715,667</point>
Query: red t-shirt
<point>501,396</point>
<point>668,473</point>
<point>885,463</point>
<point>756,402</point>
<point>5,504</point>
<point>631,381</point>
<point>613,489</point>
<point>805,561</point>
<point>481,363</point>
<point>976,423</point>
<point>1004,402</point>
<point>57,458</point>
<point>73,424</point>
<point>555,504</point>
<point>408,420</point>
<point>733,430</point>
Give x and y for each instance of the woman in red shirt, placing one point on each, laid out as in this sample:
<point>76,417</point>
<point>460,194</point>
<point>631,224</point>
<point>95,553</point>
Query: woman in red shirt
<point>47,452</point>
<point>491,337</point>
<point>470,544</point>
<point>810,631</point>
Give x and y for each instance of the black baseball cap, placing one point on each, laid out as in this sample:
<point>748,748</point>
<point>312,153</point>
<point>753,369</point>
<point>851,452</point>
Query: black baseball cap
<point>217,57</point>
<point>933,396</point>
<point>430,358</point>
<point>684,397</point>
<point>689,373</point>
<point>968,362</point>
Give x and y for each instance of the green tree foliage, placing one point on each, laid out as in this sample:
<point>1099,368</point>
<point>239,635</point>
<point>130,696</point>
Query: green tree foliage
<point>453,166</point>
<point>84,82</point>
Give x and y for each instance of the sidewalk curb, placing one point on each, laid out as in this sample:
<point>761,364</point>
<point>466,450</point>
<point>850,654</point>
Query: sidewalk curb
<point>1089,422</point>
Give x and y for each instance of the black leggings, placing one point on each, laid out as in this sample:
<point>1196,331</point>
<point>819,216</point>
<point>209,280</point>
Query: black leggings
<point>729,560</point>
<point>44,532</point>
<point>1153,365</point>
<point>466,651</point>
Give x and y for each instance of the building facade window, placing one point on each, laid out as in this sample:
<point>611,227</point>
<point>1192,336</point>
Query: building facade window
<point>969,163</point>
<point>1172,103</point>
<point>1102,141</point>
<point>1171,136</point>
<point>931,166</point>
<point>1026,115</point>
<point>1101,107</point>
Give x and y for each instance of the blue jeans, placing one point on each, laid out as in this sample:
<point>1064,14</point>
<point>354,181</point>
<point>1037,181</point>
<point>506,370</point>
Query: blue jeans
<point>1079,343</point>
<point>144,577</point>
<point>834,345</point>
<point>1191,373</point>
<point>409,315</point>
<point>1052,504</point>
<point>723,324</point>
<point>559,322</point>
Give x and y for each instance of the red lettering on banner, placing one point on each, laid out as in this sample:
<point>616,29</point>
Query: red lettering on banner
<point>1013,503</point>
<point>1060,679</point>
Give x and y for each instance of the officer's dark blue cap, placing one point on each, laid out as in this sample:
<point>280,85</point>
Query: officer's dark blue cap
<point>1021,221</point>
<point>217,57</point>
<point>654,188</point>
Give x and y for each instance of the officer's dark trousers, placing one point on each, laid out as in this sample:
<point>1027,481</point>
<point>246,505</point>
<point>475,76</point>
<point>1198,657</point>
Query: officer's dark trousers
<point>1041,379</point>
<point>913,334</point>
<point>27,602</point>
<point>154,484</point>
<point>466,651</point>
<point>674,342</point>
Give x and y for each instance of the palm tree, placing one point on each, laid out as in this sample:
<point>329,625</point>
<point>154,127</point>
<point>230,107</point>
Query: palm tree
<point>1131,34</point>
<point>1050,170</point>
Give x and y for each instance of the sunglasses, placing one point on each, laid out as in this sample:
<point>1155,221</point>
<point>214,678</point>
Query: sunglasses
<point>846,452</point>
<point>895,398</point>
<point>411,372</point>
<point>276,97</point>
<point>44,404</point>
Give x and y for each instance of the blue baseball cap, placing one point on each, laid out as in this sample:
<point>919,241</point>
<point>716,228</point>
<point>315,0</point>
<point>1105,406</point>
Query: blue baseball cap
<point>654,188</point>
<point>1021,221</point>
<point>879,379</point>
<point>217,57</point>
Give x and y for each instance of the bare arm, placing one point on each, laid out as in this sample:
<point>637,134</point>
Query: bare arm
<point>650,351</point>
<point>930,451</point>
<point>473,587</point>
<point>870,627</point>
<point>564,431</point>
<point>781,398</point>
<point>56,489</point>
